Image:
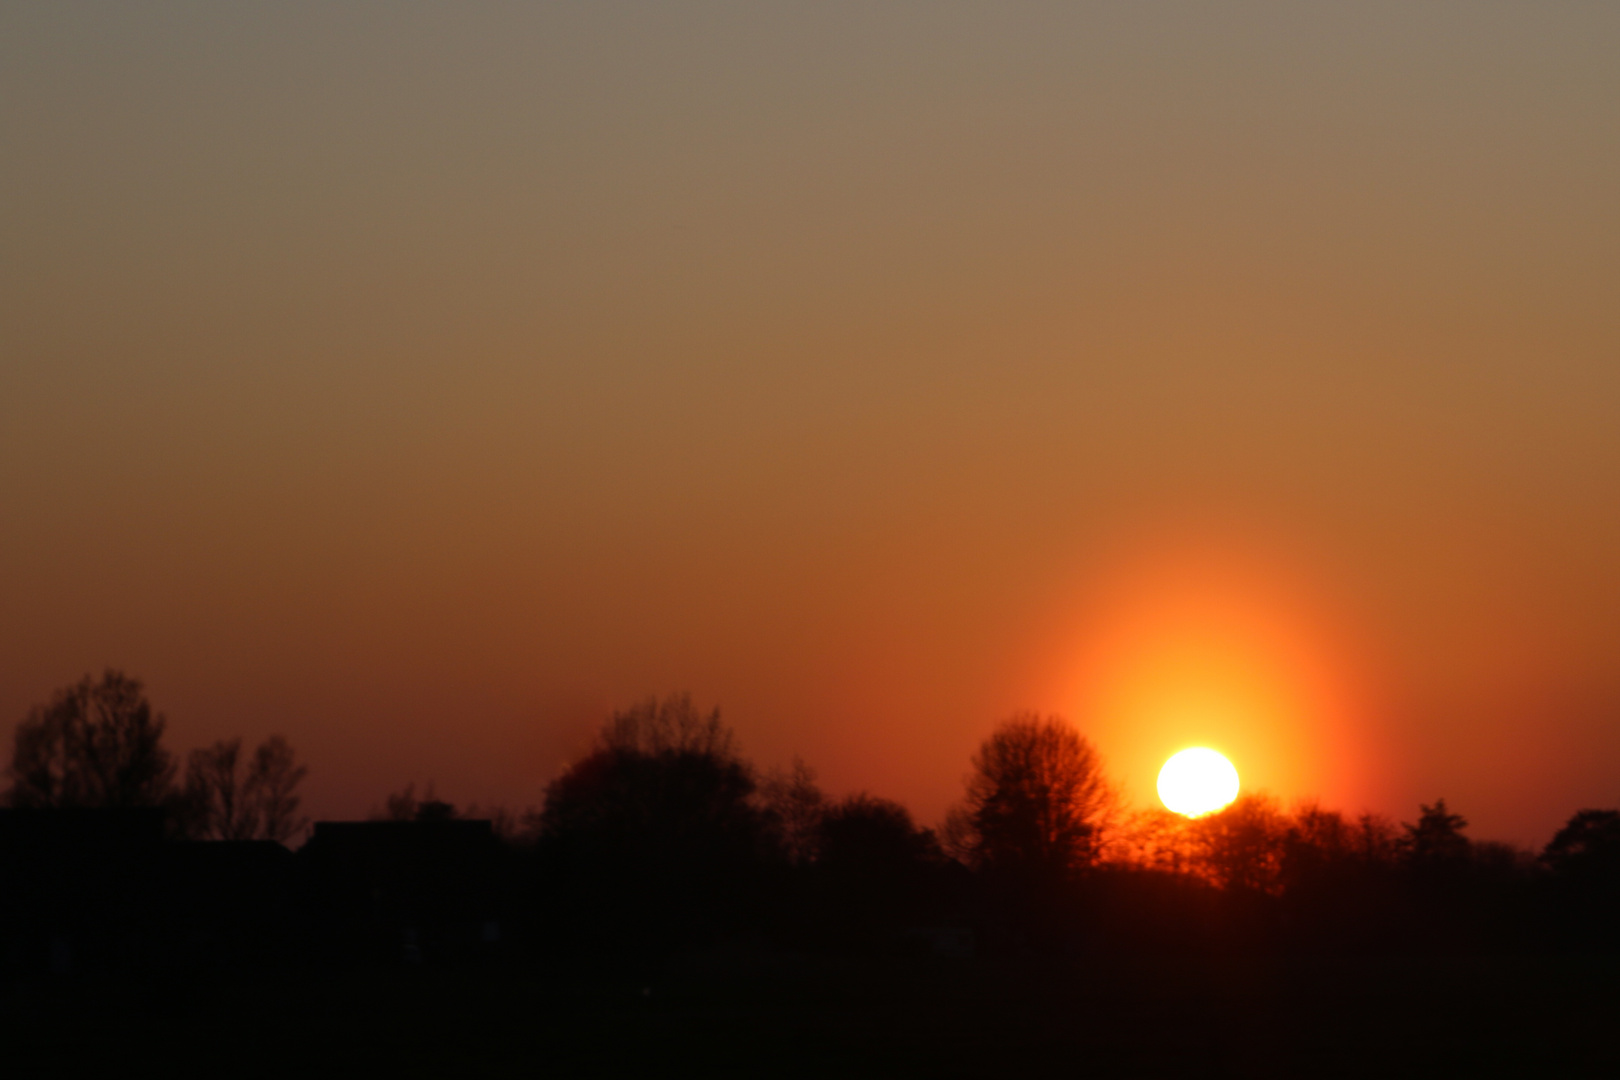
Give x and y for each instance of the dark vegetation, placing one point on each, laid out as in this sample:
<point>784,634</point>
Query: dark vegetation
<point>669,903</point>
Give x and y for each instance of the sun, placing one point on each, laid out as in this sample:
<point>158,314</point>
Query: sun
<point>1197,781</point>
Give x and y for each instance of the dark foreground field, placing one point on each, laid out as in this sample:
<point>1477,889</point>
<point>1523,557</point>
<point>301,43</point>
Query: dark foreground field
<point>730,1014</point>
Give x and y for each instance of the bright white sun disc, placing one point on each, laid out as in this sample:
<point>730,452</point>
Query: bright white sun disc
<point>1197,781</point>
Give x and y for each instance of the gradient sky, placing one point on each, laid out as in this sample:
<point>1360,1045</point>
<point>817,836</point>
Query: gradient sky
<point>425,381</point>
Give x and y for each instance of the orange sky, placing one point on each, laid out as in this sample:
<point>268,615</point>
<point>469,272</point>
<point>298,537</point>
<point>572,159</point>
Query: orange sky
<point>425,381</point>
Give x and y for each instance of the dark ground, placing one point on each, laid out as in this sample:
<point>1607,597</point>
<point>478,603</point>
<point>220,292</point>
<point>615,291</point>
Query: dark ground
<point>734,1014</point>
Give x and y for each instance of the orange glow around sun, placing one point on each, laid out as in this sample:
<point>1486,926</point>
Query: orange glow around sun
<point>1187,647</point>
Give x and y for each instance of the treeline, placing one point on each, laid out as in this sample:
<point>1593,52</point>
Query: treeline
<point>664,836</point>
<point>665,829</point>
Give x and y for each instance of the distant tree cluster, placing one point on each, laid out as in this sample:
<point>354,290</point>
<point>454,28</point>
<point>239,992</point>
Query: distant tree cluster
<point>97,744</point>
<point>1255,846</point>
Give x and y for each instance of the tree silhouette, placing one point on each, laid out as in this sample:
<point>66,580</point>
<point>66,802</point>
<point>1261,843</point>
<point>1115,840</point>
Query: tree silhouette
<point>1436,840</point>
<point>407,805</point>
<point>229,801</point>
<point>656,829</point>
<point>672,727</point>
<point>215,798</point>
<point>1317,844</point>
<point>661,774</point>
<point>870,838</point>
<point>795,807</point>
<point>1241,846</point>
<point>1037,802</point>
<point>96,744</point>
<point>1587,849</point>
<point>875,869</point>
<point>273,784</point>
<point>1375,840</point>
<point>1584,861</point>
<point>1155,839</point>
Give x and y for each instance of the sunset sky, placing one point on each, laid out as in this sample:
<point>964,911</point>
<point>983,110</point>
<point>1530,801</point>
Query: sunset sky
<point>426,381</point>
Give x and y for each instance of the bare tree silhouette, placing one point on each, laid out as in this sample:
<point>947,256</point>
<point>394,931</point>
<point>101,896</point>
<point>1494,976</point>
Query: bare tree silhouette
<point>795,807</point>
<point>671,727</point>
<point>96,744</point>
<point>228,799</point>
<point>214,797</point>
<point>273,785</point>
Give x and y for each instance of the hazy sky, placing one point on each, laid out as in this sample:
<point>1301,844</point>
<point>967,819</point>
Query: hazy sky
<point>425,381</point>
